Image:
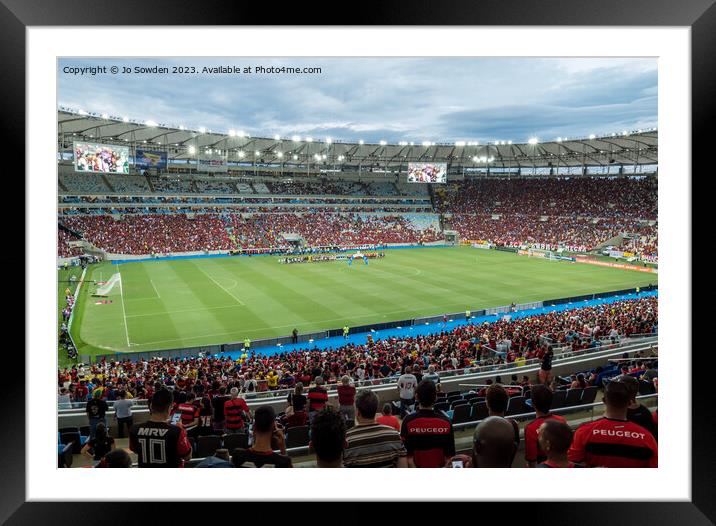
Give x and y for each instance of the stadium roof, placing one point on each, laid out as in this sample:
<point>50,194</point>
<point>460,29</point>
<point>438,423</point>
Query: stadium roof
<point>622,147</point>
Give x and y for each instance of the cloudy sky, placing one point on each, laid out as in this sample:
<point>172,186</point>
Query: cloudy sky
<point>393,99</point>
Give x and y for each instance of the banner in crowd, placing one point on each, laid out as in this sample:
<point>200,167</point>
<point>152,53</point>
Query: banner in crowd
<point>150,159</point>
<point>100,158</point>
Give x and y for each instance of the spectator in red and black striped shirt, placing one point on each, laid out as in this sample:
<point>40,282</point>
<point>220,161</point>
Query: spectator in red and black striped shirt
<point>427,434</point>
<point>236,412</point>
<point>613,441</point>
<point>189,412</point>
<point>317,398</point>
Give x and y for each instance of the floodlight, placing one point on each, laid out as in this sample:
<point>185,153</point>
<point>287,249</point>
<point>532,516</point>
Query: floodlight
<point>533,140</point>
<point>340,157</point>
<point>383,143</point>
<point>82,112</point>
<point>295,157</point>
<point>232,133</point>
<point>279,155</point>
<point>277,137</point>
<point>361,142</point>
<point>192,150</point>
<point>323,156</point>
<point>241,154</point>
<point>329,140</point>
<point>257,153</point>
<point>202,130</point>
<point>296,138</point>
<point>426,143</point>
<point>242,134</point>
<point>509,142</point>
<point>559,139</point>
<point>309,139</point>
<point>151,124</point>
<point>105,116</point>
<point>592,136</point>
<point>125,119</point>
<point>460,143</point>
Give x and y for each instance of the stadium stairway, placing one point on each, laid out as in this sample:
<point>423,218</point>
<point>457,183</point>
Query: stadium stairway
<point>613,241</point>
<point>149,182</point>
<point>61,185</point>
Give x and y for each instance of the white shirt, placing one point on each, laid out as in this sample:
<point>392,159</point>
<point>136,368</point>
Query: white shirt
<point>407,384</point>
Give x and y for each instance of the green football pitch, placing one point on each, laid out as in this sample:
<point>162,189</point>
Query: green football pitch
<point>168,304</point>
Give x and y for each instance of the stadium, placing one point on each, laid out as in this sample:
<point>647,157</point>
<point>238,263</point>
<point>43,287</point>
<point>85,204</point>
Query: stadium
<point>309,284</point>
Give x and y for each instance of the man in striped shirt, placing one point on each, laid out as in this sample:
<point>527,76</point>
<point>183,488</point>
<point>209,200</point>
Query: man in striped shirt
<point>317,398</point>
<point>369,444</point>
<point>236,413</point>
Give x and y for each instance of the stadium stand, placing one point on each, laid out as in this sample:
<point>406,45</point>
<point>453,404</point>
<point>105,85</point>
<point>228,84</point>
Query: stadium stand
<point>577,215</point>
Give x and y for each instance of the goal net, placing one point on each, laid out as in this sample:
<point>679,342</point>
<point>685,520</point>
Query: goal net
<point>107,287</point>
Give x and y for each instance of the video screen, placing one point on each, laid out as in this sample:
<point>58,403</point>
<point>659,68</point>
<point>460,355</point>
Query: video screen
<point>150,159</point>
<point>427,172</point>
<point>101,158</point>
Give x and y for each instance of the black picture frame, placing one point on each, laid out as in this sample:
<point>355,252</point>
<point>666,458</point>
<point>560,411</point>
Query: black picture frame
<point>699,15</point>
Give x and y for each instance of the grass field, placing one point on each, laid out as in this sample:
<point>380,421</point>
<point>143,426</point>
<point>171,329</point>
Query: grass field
<point>192,302</point>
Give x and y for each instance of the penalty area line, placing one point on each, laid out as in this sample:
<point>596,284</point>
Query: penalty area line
<point>124,312</point>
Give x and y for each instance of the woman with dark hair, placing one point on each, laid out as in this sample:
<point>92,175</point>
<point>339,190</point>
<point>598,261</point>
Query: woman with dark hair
<point>100,445</point>
<point>545,371</point>
<point>296,400</point>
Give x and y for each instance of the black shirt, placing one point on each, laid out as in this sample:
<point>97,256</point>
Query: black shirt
<point>260,458</point>
<point>218,404</point>
<point>100,448</point>
<point>158,444</point>
<point>298,402</point>
<point>96,408</point>
<point>642,416</point>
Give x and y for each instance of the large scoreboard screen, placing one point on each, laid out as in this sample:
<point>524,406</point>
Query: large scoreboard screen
<point>100,158</point>
<point>427,172</point>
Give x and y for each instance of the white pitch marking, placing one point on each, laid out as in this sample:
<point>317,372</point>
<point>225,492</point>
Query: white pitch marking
<point>155,288</point>
<point>124,312</point>
<point>221,286</point>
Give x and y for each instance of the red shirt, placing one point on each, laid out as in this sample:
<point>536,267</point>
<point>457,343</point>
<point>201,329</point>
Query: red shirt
<point>346,394</point>
<point>234,411</point>
<point>533,453</point>
<point>188,413</point>
<point>611,443</point>
<point>390,421</point>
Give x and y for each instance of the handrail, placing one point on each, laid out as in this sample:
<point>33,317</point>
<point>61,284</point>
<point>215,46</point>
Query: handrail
<point>467,373</point>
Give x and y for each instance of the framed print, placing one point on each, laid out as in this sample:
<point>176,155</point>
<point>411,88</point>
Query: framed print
<point>407,245</point>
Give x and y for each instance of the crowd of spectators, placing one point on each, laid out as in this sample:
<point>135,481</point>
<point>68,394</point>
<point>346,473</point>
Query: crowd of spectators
<point>163,233</point>
<point>577,214</point>
<point>463,347</point>
<point>592,197</point>
<point>64,250</point>
<point>424,436</point>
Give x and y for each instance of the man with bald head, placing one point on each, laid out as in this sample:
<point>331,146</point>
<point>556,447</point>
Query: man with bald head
<point>494,444</point>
